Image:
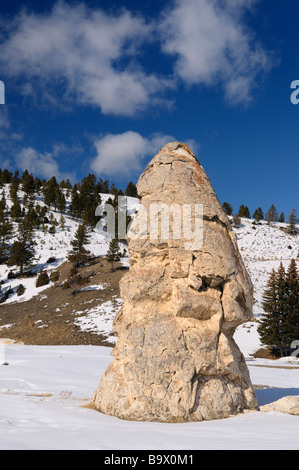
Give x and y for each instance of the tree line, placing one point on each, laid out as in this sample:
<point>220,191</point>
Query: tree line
<point>270,216</point>
<point>29,214</point>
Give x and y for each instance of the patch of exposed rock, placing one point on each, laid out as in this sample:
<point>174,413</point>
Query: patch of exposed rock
<point>288,405</point>
<point>175,359</point>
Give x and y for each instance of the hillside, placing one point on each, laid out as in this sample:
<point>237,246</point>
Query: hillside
<point>83,313</point>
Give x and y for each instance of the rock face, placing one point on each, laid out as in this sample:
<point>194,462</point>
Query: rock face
<point>175,359</point>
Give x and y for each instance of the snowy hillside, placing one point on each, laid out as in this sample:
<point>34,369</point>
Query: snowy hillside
<point>262,247</point>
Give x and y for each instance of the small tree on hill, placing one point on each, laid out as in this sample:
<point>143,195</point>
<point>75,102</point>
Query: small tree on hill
<point>113,253</point>
<point>79,254</point>
<point>272,215</point>
<point>228,209</point>
<point>131,190</point>
<point>258,214</point>
<point>244,212</point>
<point>292,219</point>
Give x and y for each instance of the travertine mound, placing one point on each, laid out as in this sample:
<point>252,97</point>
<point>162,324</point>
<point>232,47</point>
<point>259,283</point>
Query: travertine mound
<point>175,359</point>
<point>288,405</point>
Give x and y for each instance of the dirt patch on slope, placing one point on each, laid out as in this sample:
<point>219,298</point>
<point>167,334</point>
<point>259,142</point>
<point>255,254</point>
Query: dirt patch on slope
<point>49,318</point>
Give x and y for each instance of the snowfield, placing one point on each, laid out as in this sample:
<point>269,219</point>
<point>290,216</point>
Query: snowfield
<point>44,389</point>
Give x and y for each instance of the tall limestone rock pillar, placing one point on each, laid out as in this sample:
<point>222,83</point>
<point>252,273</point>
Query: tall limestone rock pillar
<point>175,359</point>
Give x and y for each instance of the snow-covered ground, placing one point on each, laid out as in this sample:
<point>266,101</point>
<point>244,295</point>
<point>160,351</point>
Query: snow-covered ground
<point>43,390</point>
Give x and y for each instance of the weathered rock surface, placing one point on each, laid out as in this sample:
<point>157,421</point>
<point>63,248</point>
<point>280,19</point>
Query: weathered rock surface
<point>288,405</point>
<point>175,359</point>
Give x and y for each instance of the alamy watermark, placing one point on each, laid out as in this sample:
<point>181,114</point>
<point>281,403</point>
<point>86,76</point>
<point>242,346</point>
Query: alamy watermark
<point>161,222</point>
<point>2,92</point>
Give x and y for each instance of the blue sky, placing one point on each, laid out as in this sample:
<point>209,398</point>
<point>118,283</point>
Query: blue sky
<point>101,86</point>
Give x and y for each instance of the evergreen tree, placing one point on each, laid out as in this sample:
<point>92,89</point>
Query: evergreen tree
<point>6,230</point>
<point>292,219</point>
<point>131,190</point>
<point>291,325</point>
<point>79,253</point>
<point>227,208</point>
<point>22,250</point>
<point>272,215</point>
<point>76,206</point>
<point>89,199</point>
<point>258,214</point>
<point>267,328</point>
<point>244,212</point>
<point>279,326</point>
<point>113,254</point>
<point>61,202</point>
<point>281,218</point>
<point>27,182</point>
<point>51,192</point>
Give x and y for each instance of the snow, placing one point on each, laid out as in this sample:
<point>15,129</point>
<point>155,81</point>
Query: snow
<point>44,390</point>
<point>99,319</point>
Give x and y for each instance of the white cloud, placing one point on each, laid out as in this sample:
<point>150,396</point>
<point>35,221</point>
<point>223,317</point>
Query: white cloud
<point>87,56</point>
<point>212,45</point>
<point>42,164</point>
<point>91,54</point>
<point>125,153</point>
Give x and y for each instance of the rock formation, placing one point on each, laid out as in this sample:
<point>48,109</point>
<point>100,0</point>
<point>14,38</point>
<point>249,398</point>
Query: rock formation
<point>175,359</point>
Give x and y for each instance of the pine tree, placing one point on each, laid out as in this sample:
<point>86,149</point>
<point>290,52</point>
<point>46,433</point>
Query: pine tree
<point>292,304</point>
<point>292,219</point>
<point>79,253</point>
<point>258,214</point>
<point>113,253</point>
<point>281,218</point>
<point>244,212</point>
<point>272,215</point>
<point>279,326</point>
<point>228,209</point>
<point>51,191</point>
<point>6,230</point>
<point>267,328</point>
<point>131,190</point>
<point>27,182</point>
<point>76,206</point>
<point>22,250</point>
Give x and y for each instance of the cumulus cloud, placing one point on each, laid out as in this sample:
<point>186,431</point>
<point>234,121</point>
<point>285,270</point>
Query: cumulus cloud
<point>82,55</point>
<point>90,53</point>
<point>211,45</point>
<point>42,164</point>
<point>125,153</point>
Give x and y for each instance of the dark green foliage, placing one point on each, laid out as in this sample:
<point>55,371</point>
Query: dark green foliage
<point>113,254</point>
<point>292,219</point>
<point>28,183</point>
<point>279,326</point>
<point>22,250</point>
<point>131,190</point>
<point>281,218</point>
<point>272,215</point>
<point>79,255</point>
<point>258,214</point>
<point>244,212</point>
